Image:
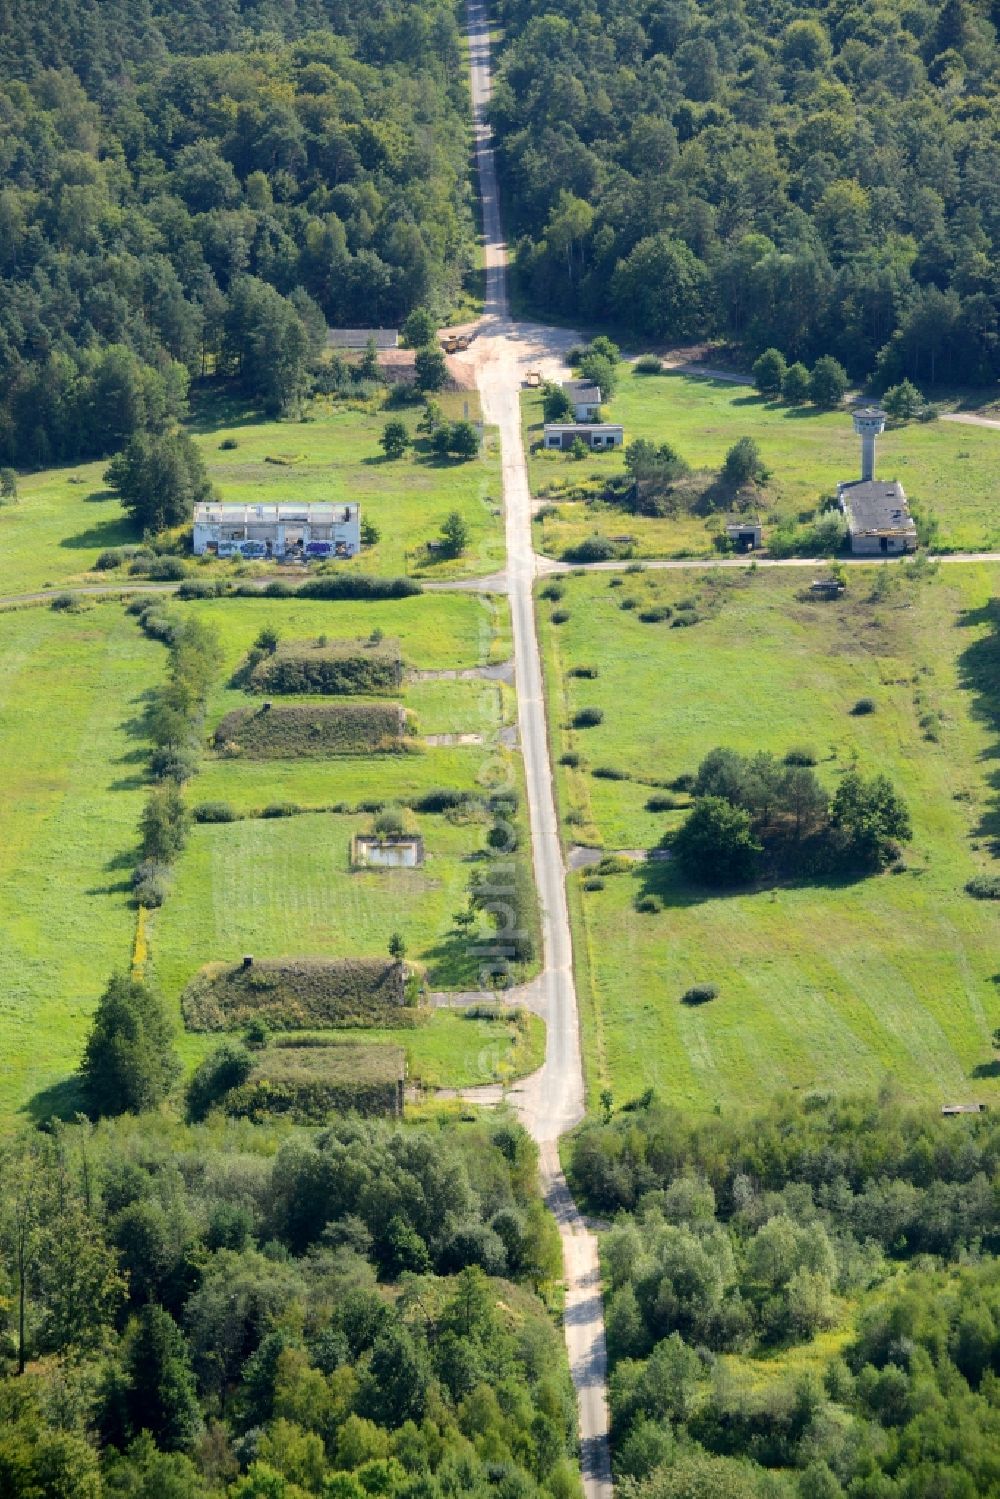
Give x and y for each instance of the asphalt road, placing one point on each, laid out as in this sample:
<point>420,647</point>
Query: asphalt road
<point>553,1100</point>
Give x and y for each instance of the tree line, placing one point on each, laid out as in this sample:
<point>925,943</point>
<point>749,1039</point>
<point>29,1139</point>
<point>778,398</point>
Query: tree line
<point>202,189</point>
<point>814,178</point>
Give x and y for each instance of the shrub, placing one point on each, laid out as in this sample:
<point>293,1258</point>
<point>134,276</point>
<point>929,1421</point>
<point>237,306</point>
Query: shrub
<point>593,882</point>
<point>588,718</point>
<point>443,799</point>
<point>559,616</point>
<point>616,582</point>
<point>628,603</point>
<point>684,782</point>
<point>108,559</point>
<point>197,588</point>
<point>591,549</point>
<point>685,617</point>
<point>326,668</point>
<point>214,812</point>
<point>649,904</point>
<point>662,801</point>
<point>281,809</point>
<point>610,773</point>
<point>64,603</point>
<point>149,884</point>
<point>589,672</point>
<point>570,758</point>
<point>699,994</point>
<point>655,615</point>
<point>863,706</point>
<point>800,755</point>
<point>984,886</point>
<point>357,586</point>
<point>649,364</point>
<point>226,1067</point>
<point>167,569</point>
<point>389,823</point>
<point>228,444</point>
<point>615,864</point>
<point>554,591</point>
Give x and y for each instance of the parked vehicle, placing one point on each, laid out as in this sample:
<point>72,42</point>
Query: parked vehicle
<point>319,548</point>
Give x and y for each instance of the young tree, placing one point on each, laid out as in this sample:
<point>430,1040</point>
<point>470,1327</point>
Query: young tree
<point>743,463</point>
<point>8,484</point>
<point>769,372</point>
<point>715,844</point>
<point>903,401</point>
<point>430,370</point>
<point>432,417</point>
<point>395,439</point>
<point>419,328</point>
<point>226,1067</point>
<point>464,441</point>
<point>368,365</point>
<point>370,533</point>
<point>652,462</point>
<point>164,824</point>
<point>601,370</point>
<point>455,534</point>
<point>397,947</point>
<point>795,385</point>
<point>129,1063</point>
<point>828,382</point>
<point>159,479</point>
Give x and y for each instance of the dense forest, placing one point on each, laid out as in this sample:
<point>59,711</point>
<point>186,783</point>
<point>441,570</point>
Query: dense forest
<point>820,178</point>
<point>861,1221</point>
<point>204,186</point>
<point>230,1310</point>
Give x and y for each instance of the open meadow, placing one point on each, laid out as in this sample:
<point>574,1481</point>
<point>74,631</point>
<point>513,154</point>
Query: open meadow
<point>827,983</point>
<point>948,470</point>
<point>72,689</point>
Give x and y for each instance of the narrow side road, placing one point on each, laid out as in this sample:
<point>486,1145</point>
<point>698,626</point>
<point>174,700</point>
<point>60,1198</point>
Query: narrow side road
<point>553,1100</point>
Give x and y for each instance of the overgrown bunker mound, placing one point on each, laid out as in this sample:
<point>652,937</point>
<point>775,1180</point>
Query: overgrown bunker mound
<point>338,666</point>
<point>307,730</point>
<point>307,1081</point>
<point>291,994</point>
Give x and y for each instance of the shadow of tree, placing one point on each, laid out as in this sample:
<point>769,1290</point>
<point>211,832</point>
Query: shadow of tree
<point>62,1101</point>
<point>116,531</point>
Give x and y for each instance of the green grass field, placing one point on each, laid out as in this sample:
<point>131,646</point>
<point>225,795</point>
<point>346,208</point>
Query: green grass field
<point>71,687</point>
<point>824,984</point>
<point>945,468</point>
<point>64,517</point>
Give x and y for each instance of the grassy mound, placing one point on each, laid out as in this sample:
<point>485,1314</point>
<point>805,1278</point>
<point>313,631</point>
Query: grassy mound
<point>307,1082</point>
<point>292,994</point>
<point>342,666</point>
<point>300,732</point>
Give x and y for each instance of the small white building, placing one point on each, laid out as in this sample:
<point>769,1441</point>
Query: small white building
<point>288,530</point>
<point>594,435</point>
<point>586,399</point>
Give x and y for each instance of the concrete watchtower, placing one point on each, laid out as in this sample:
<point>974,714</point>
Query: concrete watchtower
<point>869,423</point>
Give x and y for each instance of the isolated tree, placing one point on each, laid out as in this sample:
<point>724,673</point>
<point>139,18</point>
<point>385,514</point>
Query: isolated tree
<point>769,372</point>
<point>370,533</point>
<point>556,404</point>
<point>654,462</point>
<point>429,369</point>
<point>464,440</point>
<point>129,1063</point>
<point>419,328</point>
<point>903,401</point>
<point>715,844</point>
<point>159,479</point>
<point>8,484</point>
<point>397,948</point>
<point>743,463</point>
<point>828,382</point>
<point>395,439</point>
<point>455,534</point>
<point>795,385</point>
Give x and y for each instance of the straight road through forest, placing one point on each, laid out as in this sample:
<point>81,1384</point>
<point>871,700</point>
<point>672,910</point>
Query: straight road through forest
<point>553,1100</point>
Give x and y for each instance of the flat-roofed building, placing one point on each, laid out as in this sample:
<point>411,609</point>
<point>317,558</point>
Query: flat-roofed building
<point>360,338</point>
<point>281,530</point>
<point>878,517</point>
<point>595,435</point>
